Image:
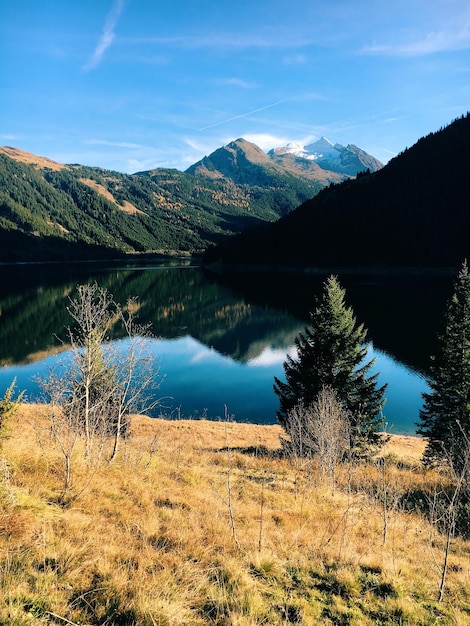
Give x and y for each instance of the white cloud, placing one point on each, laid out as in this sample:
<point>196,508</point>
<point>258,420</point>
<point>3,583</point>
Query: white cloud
<point>203,147</point>
<point>114,144</point>
<point>9,137</point>
<point>454,38</point>
<point>107,36</point>
<point>176,156</point>
<point>266,141</point>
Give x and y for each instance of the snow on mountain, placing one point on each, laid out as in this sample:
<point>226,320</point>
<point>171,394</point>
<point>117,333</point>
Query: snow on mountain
<point>335,157</point>
<point>323,148</point>
<point>292,148</point>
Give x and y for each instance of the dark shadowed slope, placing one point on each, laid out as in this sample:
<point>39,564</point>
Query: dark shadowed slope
<point>413,212</point>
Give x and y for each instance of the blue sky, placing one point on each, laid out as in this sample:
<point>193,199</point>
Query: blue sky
<point>134,84</point>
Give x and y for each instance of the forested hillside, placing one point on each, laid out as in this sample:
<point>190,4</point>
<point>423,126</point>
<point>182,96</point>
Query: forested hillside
<point>413,212</point>
<point>79,212</point>
<point>50,211</point>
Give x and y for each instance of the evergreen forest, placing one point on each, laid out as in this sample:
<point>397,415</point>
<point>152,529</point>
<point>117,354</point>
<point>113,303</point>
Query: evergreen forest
<point>76,212</point>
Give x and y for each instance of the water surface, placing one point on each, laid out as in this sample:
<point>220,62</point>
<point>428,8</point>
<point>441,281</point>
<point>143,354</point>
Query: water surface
<point>220,342</point>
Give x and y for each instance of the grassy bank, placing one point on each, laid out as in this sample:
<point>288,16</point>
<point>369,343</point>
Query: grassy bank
<point>204,523</point>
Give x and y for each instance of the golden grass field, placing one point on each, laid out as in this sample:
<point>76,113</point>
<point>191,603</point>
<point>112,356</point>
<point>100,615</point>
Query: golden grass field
<point>200,522</point>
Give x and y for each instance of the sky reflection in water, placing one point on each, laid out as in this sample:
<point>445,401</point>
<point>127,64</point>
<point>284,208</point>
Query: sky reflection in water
<point>199,381</point>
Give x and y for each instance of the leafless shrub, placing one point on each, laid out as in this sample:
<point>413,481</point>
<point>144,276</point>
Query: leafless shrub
<point>319,430</point>
<point>447,505</point>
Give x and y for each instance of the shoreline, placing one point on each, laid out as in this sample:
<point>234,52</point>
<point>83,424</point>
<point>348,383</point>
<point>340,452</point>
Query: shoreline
<point>240,435</point>
<point>219,268</point>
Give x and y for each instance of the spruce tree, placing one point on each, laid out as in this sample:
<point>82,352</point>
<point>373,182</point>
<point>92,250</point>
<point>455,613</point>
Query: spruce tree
<point>445,417</point>
<point>331,352</point>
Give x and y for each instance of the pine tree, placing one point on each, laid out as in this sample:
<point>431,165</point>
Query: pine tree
<point>445,417</point>
<point>331,353</point>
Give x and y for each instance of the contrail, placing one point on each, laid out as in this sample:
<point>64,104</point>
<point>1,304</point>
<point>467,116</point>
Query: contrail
<point>108,35</point>
<point>237,117</point>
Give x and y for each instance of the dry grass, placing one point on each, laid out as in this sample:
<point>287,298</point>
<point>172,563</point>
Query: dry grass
<point>31,159</point>
<point>127,206</point>
<point>203,523</point>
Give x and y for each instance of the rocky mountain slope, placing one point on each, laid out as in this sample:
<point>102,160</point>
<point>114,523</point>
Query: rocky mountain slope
<point>329,157</point>
<point>321,162</point>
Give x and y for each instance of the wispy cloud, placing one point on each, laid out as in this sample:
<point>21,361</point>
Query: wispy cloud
<point>236,82</point>
<point>440,41</point>
<point>113,144</point>
<point>204,147</point>
<point>108,35</point>
<point>242,115</point>
<point>222,40</point>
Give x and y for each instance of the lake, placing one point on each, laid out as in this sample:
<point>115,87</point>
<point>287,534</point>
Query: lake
<point>220,340</point>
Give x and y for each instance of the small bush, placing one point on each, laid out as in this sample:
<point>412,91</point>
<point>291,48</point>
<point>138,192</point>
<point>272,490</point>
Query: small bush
<point>8,406</point>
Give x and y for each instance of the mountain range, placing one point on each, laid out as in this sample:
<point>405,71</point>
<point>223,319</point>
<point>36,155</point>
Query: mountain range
<point>414,212</point>
<point>245,163</point>
<point>52,211</point>
<point>328,156</point>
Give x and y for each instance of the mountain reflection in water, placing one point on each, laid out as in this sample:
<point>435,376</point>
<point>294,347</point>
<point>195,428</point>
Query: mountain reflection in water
<point>221,342</point>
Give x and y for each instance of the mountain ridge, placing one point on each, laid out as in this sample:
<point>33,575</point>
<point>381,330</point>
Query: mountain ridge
<point>347,160</point>
<point>54,211</point>
<point>244,162</point>
<point>31,159</point>
<point>414,212</point>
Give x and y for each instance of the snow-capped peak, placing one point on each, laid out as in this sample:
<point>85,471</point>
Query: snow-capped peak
<point>334,157</point>
<point>323,141</point>
<point>319,149</point>
<point>323,148</point>
<point>292,147</point>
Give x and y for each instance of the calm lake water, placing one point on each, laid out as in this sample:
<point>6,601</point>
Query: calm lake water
<point>221,340</point>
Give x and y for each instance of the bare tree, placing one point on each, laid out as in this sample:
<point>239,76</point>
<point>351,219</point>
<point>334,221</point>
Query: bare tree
<point>446,506</point>
<point>62,427</point>
<point>137,376</point>
<point>330,430</point>
<point>90,377</point>
<point>105,381</point>
<point>320,430</point>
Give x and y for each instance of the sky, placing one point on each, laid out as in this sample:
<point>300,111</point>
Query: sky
<point>131,85</point>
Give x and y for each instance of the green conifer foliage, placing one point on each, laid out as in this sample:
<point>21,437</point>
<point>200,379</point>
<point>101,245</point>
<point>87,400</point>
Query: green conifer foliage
<point>8,406</point>
<point>445,417</point>
<point>331,352</point>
